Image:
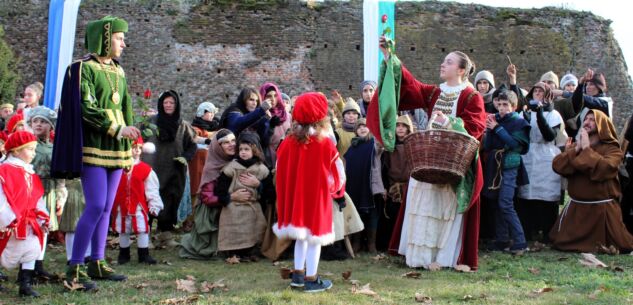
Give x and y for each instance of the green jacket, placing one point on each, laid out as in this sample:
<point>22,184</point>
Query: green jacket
<point>103,119</point>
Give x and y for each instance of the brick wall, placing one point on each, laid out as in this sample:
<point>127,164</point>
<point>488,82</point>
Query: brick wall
<point>209,50</point>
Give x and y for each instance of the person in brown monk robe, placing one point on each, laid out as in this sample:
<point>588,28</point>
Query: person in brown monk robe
<point>593,217</point>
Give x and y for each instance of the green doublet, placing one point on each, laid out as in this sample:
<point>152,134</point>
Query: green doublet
<point>103,119</point>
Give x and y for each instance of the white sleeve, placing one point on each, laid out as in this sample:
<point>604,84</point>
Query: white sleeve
<point>6,213</point>
<point>340,168</point>
<point>152,191</point>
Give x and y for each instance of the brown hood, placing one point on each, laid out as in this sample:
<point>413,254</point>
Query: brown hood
<point>548,96</point>
<point>606,130</point>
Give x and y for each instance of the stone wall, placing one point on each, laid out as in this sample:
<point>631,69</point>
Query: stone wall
<point>209,50</point>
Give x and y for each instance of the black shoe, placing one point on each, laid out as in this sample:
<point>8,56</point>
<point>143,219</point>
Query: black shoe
<point>76,276</point>
<point>42,275</point>
<point>518,249</point>
<point>144,257</point>
<point>124,255</point>
<point>26,277</point>
<point>494,246</point>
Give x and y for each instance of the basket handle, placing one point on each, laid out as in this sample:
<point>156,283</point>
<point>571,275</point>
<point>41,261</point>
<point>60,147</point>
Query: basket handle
<point>431,120</point>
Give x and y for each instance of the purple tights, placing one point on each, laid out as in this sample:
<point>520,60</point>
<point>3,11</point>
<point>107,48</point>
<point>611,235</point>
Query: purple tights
<point>100,185</point>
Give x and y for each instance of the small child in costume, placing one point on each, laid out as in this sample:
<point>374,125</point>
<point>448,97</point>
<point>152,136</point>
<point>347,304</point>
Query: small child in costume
<point>507,137</point>
<point>23,215</point>
<point>137,197</point>
<point>242,223</point>
<point>396,170</point>
<point>363,168</point>
<point>41,121</point>
<point>345,133</point>
<point>309,172</point>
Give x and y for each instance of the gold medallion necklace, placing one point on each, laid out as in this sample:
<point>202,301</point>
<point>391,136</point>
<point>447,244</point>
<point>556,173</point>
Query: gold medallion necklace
<point>116,98</point>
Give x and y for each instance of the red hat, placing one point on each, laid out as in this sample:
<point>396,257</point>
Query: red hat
<point>148,147</point>
<point>310,108</point>
<point>14,121</point>
<point>19,139</point>
<point>138,141</point>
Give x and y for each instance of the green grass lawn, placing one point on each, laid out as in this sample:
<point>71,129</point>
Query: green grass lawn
<point>501,279</point>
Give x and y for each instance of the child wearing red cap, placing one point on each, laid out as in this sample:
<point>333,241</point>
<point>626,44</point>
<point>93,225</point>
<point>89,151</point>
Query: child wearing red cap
<point>23,215</point>
<point>137,197</point>
<point>309,172</point>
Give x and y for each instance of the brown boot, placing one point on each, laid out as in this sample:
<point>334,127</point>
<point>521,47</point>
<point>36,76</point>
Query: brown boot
<point>371,241</point>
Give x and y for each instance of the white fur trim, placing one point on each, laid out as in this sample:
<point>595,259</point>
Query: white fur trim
<point>149,148</point>
<point>293,232</point>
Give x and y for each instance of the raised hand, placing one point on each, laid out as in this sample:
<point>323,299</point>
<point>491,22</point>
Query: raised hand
<point>511,70</point>
<point>383,47</point>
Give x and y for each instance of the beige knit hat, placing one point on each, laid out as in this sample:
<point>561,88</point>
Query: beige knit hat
<point>550,76</point>
<point>406,120</point>
<point>351,105</point>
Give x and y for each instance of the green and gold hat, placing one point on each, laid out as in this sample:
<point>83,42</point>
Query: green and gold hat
<point>99,34</point>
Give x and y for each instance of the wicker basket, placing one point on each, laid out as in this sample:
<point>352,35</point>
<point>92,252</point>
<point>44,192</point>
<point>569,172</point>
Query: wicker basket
<point>440,156</point>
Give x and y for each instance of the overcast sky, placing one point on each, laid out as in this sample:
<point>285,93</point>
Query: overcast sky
<point>622,24</point>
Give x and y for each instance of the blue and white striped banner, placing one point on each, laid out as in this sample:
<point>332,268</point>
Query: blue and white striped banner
<point>62,23</point>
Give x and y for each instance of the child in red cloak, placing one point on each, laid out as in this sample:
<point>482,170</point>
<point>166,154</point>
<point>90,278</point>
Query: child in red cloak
<point>309,172</point>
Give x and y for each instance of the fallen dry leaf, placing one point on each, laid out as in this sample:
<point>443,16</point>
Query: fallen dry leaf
<point>180,301</point>
<point>434,266</point>
<point>468,297</point>
<point>536,293</point>
<point>366,290</point>
<point>346,274</point>
<point>73,286</point>
<point>141,286</point>
<point>285,273</point>
<point>420,298</point>
<point>166,263</point>
<point>412,275</point>
<point>328,274</point>
<point>354,282</point>
<point>463,268</point>
<point>206,287</point>
<point>233,260</point>
<point>186,285</point>
<point>379,257</point>
<point>534,271</point>
<point>591,261</point>
<point>276,263</point>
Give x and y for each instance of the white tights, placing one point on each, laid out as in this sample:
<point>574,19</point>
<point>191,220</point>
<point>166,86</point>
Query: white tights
<point>142,240</point>
<point>307,255</point>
